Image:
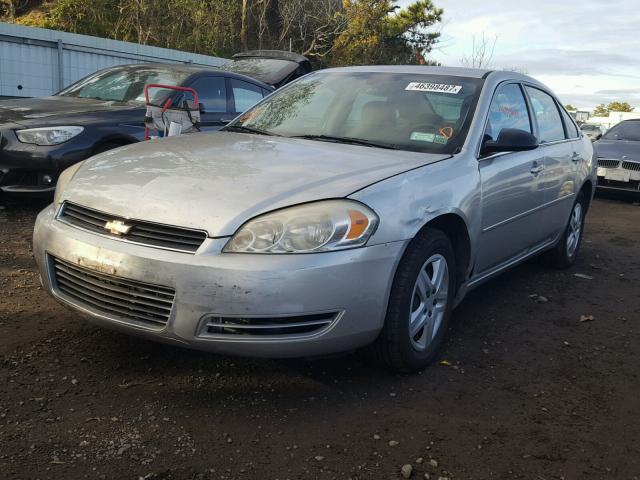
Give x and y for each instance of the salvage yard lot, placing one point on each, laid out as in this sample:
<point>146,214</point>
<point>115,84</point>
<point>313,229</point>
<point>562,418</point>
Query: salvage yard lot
<point>523,387</point>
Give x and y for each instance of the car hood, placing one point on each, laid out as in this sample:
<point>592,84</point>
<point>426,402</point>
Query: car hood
<point>617,149</point>
<point>218,181</point>
<point>36,111</point>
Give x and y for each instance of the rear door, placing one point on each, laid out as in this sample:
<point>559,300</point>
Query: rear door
<point>512,193</point>
<point>558,141</point>
<point>215,107</point>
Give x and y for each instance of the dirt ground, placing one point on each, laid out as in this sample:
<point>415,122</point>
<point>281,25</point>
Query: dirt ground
<point>522,389</point>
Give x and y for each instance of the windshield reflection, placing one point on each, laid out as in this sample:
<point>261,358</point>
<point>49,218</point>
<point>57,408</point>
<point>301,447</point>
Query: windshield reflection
<point>415,112</point>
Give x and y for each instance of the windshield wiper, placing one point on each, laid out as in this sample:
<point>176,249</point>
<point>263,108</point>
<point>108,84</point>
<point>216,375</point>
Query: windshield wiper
<point>349,140</point>
<point>242,128</point>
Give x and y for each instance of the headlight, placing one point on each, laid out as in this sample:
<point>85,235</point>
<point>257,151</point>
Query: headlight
<point>48,135</point>
<point>314,227</point>
<point>64,179</point>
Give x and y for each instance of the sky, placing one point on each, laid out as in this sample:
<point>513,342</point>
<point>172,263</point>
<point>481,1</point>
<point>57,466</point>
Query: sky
<point>587,52</point>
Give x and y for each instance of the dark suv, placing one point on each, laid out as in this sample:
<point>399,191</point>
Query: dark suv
<point>40,137</point>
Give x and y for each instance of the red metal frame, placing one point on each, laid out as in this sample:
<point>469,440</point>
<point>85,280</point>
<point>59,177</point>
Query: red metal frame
<point>167,104</point>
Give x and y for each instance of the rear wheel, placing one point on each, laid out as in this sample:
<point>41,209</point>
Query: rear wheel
<point>564,254</point>
<point>420,304</point>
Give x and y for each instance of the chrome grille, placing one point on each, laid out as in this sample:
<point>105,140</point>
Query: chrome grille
<point>129,300</point>
<point>141,232</point>
<point>267,326</point>
<point>635,166</point>
<point>608,163</point>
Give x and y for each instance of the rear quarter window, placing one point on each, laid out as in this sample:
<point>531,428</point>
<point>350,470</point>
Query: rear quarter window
<point>570,127</point>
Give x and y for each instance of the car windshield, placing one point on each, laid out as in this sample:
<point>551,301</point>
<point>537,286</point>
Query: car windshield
<point>624,131</point>
<point>406,111</point>
<point>124,84</point>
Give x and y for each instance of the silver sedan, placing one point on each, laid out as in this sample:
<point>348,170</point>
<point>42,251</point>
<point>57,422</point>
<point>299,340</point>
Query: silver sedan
<point>353,208</point>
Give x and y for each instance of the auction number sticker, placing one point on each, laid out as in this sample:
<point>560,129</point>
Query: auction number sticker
<point>434,87</point>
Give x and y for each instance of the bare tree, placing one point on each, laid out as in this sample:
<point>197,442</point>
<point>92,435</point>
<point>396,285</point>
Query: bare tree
<point>263,24</point>
<point>310,26</point>
<point>482,50</point>
<point>243,25</point>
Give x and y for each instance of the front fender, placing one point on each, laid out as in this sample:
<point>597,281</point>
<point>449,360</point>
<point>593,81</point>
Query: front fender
<point>407,202</point>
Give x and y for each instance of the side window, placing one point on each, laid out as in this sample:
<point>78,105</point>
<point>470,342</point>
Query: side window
<point>572,130</point>
<point>547,114</point>
<point>246,95</point>
<point>212,93</point>
<point>508,110</point>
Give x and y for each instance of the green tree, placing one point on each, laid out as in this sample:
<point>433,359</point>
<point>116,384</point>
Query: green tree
<point>379,31</point>
<point>601,111</point>
<point>620,107</point>
<point>327,31</point>
<point>570,107</point>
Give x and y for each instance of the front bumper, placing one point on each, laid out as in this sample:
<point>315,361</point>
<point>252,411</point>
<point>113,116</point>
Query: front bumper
<point>26,168</point>
<point>625,177</point>
<point>353,283</point>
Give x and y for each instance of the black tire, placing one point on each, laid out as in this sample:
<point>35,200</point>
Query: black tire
<point>394,347</point>
<point>561,256</point>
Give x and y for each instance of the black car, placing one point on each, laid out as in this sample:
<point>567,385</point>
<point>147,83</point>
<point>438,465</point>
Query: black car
<point>618,155</point>
<point>273,67</point>
<point>40,137</point>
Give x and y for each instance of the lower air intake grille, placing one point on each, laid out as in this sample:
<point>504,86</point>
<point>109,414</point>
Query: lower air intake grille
<point>267,326</point>
<point>129,300</point>
<point>139,231</point>
<point>608,163</point>
<point>635,166</point>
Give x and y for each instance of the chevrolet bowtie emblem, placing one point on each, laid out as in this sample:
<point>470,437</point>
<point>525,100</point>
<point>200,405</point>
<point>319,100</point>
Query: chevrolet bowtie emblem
<point>117,227</point>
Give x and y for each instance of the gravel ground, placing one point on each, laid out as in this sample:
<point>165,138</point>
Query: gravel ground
<point>522,389</point>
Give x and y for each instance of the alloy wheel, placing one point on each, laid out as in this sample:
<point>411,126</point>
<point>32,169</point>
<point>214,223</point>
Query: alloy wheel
<point>575,229</point>
<point>429,301</point>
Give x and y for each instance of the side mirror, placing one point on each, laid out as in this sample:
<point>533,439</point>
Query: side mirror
<point>510,140</point>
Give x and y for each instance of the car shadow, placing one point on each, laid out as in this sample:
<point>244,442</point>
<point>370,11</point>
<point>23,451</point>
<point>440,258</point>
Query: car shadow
<point>620,196</point>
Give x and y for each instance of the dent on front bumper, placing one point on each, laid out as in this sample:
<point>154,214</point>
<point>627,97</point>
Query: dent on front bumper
<point>352,285</point>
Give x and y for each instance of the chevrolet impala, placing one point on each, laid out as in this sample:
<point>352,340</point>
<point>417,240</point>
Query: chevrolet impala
<point>355,207</point>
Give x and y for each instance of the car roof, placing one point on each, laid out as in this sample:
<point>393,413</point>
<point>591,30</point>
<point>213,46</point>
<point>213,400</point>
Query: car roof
<point>191,70</point>
<point>424,69</point>
<point>495,75</point>
<point>180,67</point>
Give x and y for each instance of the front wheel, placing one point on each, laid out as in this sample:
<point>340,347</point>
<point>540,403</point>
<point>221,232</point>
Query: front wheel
<point>564,254</point>
<point>420,304</point>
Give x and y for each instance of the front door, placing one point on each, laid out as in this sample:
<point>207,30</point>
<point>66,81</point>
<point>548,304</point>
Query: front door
<point>512,188</point>
<point>215,111</point>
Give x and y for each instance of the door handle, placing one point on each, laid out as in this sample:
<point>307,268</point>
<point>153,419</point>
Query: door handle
<point>537,169</point>
<point>576,157</point>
